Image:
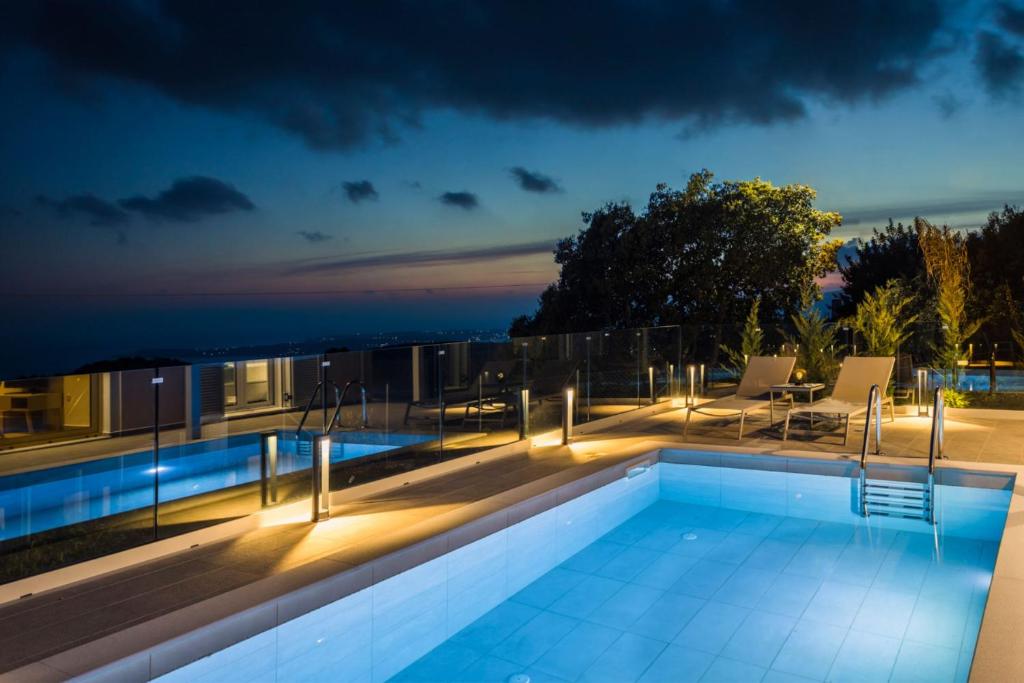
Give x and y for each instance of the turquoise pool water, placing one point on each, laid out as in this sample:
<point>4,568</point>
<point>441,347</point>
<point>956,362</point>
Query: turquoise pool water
<point>682,573</point>
<point>40,500</point>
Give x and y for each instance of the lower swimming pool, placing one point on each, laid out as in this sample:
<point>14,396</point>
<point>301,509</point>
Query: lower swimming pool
<point>36,501</point>
<point>701,567</point>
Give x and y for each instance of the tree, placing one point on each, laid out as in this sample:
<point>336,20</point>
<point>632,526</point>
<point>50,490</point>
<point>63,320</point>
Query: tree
<point>890,254</point>
<point>751,342</point>
<point>948,267</point>
<point>815,343</point>
<point>997,271</point>
<point>701,254</point>
<point>883,319</point>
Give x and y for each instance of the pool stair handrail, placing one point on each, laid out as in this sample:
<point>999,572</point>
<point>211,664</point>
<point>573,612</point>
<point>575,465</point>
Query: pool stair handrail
<point>906,499</point>
<point>935,444</point>
<point>320,387</point>
<point>874,402</point>
<point>336,419</point>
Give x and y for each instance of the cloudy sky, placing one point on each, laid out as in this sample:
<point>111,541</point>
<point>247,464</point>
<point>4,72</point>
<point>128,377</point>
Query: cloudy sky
<point>180,173</point>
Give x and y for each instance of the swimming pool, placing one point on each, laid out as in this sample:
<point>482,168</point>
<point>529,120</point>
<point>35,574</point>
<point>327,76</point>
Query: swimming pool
<point>701,567</point>
<point>977,379</point>
<point>32,502</point>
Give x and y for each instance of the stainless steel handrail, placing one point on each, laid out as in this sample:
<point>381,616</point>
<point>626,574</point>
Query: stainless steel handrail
<point>875,402</point>
<point>309,404</point>
<point>336,420</point>
<point>935,444</point>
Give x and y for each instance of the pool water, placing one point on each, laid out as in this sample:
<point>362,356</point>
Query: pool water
<point>977,379</point>
<point>685,592</point>
<point>40,500</point>
<point>683,572</point>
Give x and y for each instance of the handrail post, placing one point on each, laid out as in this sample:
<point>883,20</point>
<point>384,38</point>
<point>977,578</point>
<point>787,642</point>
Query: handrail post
<point>336,418</point>
<point>874,404</point>
<point>935,443</point>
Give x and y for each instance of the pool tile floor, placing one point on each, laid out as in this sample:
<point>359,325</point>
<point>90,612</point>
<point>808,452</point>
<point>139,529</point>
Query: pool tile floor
<point>684,592</point>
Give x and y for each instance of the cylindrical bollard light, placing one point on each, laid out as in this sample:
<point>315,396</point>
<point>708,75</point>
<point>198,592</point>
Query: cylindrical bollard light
<point>691,385</point>
<point>650,383</point>
<point>321,478</point>
<point>567,416</point>
<point>671,380</point>
<point>524,414</point>
<point>700,386</point>
<point>268,469</point>
<point>922,392</point>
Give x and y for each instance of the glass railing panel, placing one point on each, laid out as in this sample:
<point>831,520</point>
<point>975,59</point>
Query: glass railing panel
<point>662,356</point>
<point>227,443</point>
<point>66,500</point>
<point>398,427</point>
<point>616,377</point>
<point>550,367</point>
<point>482,397</point>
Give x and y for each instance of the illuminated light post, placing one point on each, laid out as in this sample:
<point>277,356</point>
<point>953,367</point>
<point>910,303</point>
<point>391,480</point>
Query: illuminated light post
<point>268,468</point>
<point>567,416</point>
<point>321,477</point>
<point>922,392</point>
<point>524,413</point>
<point>650,383</point>
<point>691,381</point>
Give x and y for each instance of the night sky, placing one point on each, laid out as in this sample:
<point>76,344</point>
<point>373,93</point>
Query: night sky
<point>214,173</point>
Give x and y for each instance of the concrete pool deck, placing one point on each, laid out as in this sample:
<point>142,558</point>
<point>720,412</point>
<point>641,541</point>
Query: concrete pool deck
<point>154,617</point>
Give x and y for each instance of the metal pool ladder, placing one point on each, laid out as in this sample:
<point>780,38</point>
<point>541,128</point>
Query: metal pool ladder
<point>907,499</point>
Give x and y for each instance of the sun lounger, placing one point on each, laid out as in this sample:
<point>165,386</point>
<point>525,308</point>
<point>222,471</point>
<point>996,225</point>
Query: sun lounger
<point>753,393</point>
<point>850,395</point>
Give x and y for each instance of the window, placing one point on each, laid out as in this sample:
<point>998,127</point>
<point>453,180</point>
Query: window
<point>248,384</point>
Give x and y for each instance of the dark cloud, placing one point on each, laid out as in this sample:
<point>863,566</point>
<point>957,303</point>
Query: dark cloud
<point>314,236</point>
<point>358,190</point>
<point>463,200</point>
<point>339,73</point>
<point>430,257</point>
<point>190,199</point>
<point>96,211</point>
<point>1011,17</point>
<point>1001,64</point>
<point>531,181</point>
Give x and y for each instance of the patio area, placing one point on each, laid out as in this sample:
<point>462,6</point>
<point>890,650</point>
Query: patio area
<point>393,528</point>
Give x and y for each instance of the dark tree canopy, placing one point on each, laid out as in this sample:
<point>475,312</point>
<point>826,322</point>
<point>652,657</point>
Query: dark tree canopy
<point>700,254</point>
<point>997,254</point>
<point>997,271</point>
<point>889,254</point>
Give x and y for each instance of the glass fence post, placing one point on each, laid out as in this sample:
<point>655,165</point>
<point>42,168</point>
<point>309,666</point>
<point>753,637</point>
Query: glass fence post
<point>440,401</point>
<point>588,378</point>
<point>524,413</point>
<point>637,351</point>
<point>157,381</point>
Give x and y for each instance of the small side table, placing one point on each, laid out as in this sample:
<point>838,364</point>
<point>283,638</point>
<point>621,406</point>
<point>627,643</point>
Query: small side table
<point>807,388</point>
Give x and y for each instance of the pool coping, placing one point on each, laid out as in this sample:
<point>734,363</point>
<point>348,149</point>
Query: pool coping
<point>165,643</point>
